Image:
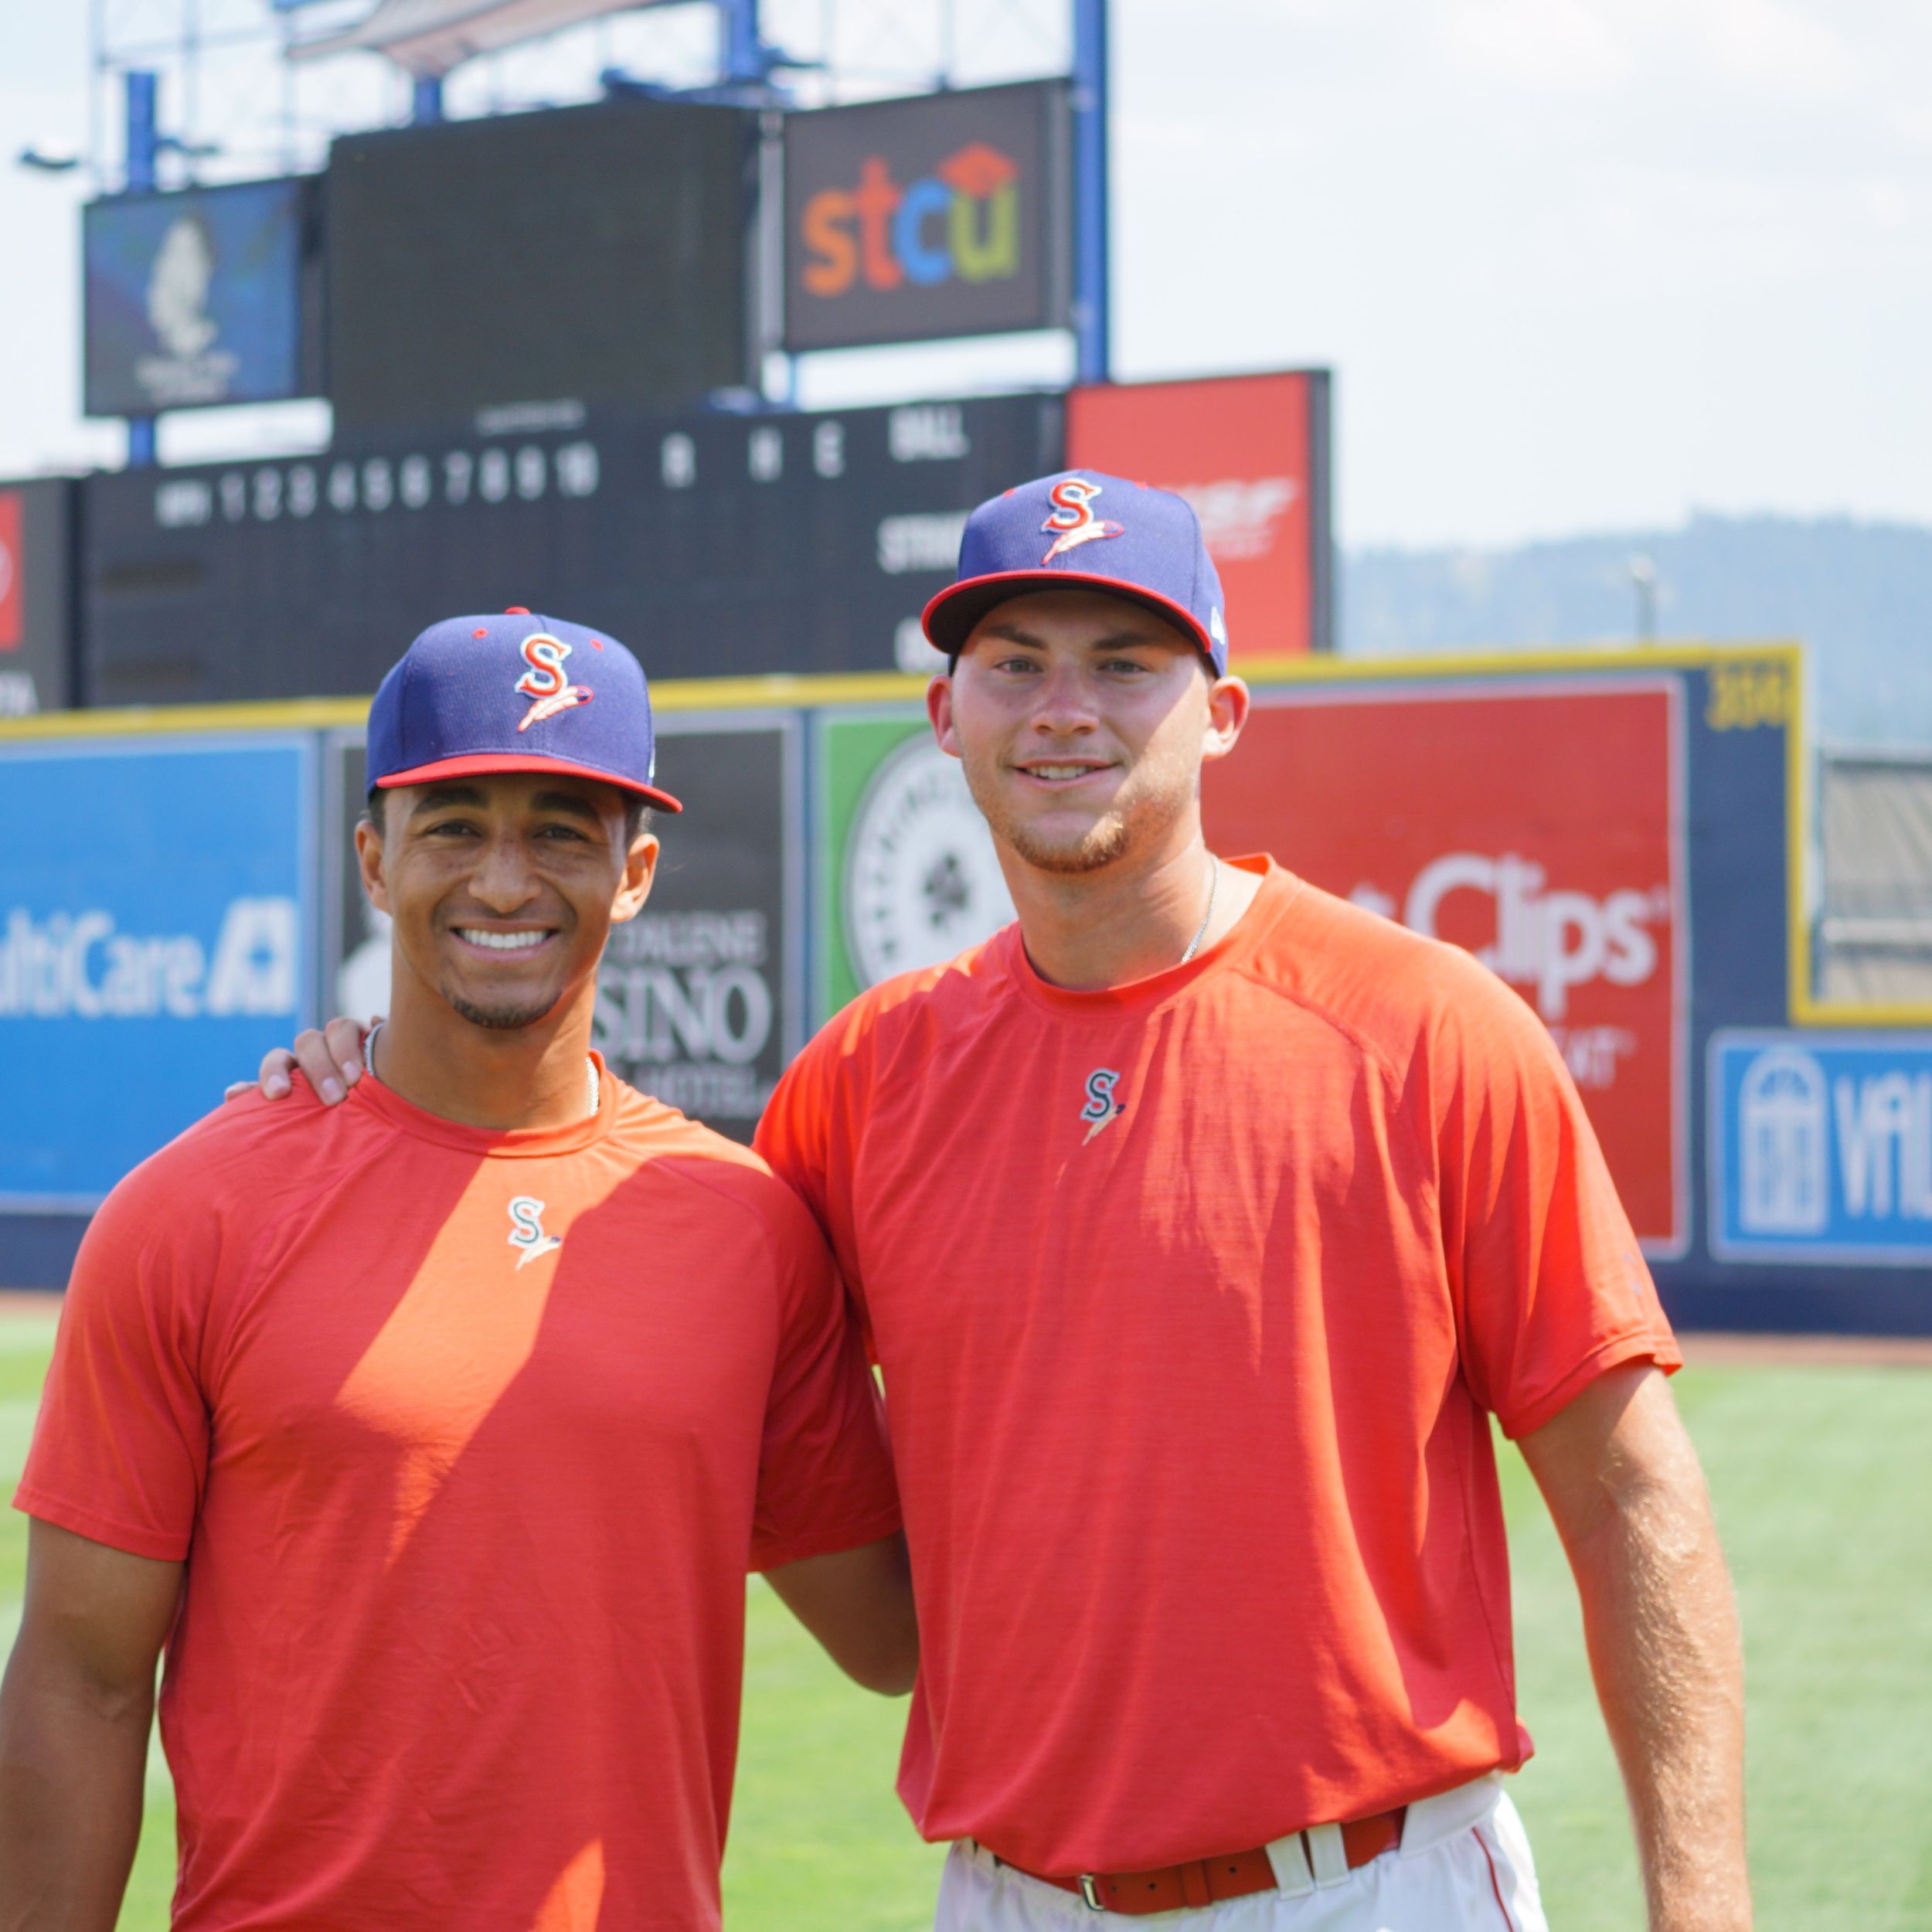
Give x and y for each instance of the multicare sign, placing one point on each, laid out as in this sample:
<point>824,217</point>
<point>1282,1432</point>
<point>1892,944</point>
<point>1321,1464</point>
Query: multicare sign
<point>166,935</point>
<point>1541,825</point>
<point>1250,453</point>
<point>946,215</point>
<point>1820,1146</point>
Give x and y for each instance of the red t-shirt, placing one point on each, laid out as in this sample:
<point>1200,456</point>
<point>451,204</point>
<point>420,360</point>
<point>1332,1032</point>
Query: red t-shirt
<point>1193,1297</point>
<point>467,1439</point>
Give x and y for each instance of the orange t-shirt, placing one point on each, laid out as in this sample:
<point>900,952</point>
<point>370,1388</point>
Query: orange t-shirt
<point>1193,1297</point>
<point>467,1439</point>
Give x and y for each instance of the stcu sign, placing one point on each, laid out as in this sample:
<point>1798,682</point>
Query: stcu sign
<point>946,215</point>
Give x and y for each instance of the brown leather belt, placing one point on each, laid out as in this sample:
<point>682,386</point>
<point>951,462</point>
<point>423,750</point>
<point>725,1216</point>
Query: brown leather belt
<point>1207,1881</point>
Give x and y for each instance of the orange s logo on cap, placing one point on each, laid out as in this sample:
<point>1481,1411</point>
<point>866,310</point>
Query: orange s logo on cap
<point>546,683</point>
<point>1071,522</point>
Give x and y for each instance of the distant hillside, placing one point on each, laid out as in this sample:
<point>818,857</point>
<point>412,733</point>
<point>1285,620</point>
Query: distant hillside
<point>1859,595</point>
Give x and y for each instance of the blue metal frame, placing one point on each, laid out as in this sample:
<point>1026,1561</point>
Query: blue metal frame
<point>1091,320</point>
<point>745,61</point>
<point>143,145</point>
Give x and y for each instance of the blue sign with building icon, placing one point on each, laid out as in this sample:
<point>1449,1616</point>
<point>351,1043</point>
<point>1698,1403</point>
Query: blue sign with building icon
<point>157,934</point>
<point>1820,1146</point>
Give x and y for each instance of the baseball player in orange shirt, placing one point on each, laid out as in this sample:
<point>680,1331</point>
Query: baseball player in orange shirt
<point>1201,1221</point>
<point>432,1438</point>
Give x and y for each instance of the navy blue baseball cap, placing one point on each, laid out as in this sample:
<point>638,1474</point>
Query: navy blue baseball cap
<point>1084,527</point>
<point>515,693</point>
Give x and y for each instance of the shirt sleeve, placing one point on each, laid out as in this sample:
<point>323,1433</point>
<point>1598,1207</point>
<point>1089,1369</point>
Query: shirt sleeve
<point>1550,1286</point>
<point>825,1475</point>
<point>120,1450</point>
<point>809,1139</point>
<point>794,1130</point>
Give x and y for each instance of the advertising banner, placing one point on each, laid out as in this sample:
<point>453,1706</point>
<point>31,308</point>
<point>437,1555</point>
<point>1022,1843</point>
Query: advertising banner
<point>1540,826</point>
<point>152,953</point>
<point>1820,1148</point>
<point>36,596</point>
<point>700,1000</point>
<point>13,601</point>
<point>713,545</point>
<point>195,297</point>
<point>908,877</point>
<point>1250,453</point>
<point>701,997</point>
<point>946,215</point>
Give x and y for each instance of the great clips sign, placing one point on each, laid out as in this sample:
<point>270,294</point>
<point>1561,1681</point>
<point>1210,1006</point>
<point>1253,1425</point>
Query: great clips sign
<point>946,215</point>
<point>1539,825</point>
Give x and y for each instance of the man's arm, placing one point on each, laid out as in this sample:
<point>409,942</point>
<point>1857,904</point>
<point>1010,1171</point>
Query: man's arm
<point>75,1707</point>
<point>858,1604</point>
<point>1623,1482</point>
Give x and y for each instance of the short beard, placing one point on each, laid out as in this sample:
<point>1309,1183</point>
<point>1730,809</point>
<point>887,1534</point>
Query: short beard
<point>1141,817</point>
<point>1098,847</point>
<point>499,1019</point>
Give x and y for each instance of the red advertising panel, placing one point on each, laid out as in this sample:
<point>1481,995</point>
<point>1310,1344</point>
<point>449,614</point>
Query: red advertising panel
<point>1250,454</point>
<point>13,612</point>
<point>1541,827</point>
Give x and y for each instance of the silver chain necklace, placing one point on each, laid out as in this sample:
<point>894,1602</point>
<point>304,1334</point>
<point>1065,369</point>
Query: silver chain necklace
<point>1200,931</point>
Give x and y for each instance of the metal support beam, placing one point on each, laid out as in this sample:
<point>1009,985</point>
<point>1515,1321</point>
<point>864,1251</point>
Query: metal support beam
<point>143,143</point>
<point>426,101</point>
<point>1092,348</point>
<point>741,54</point>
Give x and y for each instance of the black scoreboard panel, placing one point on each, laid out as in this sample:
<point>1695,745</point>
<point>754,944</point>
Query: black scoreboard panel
<point>596,254</point>
<point>714,545</point>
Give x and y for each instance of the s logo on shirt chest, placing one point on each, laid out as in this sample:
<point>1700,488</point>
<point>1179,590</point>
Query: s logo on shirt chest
<point>526,1230</point>
<point>1102,1110</point>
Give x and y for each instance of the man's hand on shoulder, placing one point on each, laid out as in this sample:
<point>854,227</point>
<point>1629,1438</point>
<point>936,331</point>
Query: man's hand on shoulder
<point>330,1061</point>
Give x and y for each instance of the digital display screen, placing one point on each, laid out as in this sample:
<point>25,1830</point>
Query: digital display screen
<point>596,254</point>
<point>198,298</point>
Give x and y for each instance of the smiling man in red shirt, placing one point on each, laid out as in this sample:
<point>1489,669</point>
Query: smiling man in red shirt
<point>432,1437</point>
<point>1201,1221</point>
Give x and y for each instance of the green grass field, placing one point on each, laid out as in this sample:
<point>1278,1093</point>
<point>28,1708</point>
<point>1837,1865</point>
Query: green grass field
<point>1820,1479</point>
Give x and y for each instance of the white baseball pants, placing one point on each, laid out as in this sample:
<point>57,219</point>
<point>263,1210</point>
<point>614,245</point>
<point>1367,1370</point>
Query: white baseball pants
<point>1464,1865</point>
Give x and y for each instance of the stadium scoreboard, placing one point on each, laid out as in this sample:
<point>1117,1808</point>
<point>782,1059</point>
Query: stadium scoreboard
<point>596,254</point>
<point>713,544</point>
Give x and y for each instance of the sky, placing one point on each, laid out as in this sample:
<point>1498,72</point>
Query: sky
<point>1577,265</point>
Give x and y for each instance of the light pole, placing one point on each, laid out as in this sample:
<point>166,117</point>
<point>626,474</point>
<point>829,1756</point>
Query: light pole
<point>1643,578</point>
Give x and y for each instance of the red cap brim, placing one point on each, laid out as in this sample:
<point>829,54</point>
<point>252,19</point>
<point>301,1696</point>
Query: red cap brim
<point>948,618</point>
<point>477,762</point>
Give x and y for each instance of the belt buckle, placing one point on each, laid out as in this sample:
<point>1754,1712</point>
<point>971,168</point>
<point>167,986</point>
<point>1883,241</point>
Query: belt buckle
<point>1090,1892</point>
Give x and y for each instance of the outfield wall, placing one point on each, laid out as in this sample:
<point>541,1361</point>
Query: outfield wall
<point>1621,835</point>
